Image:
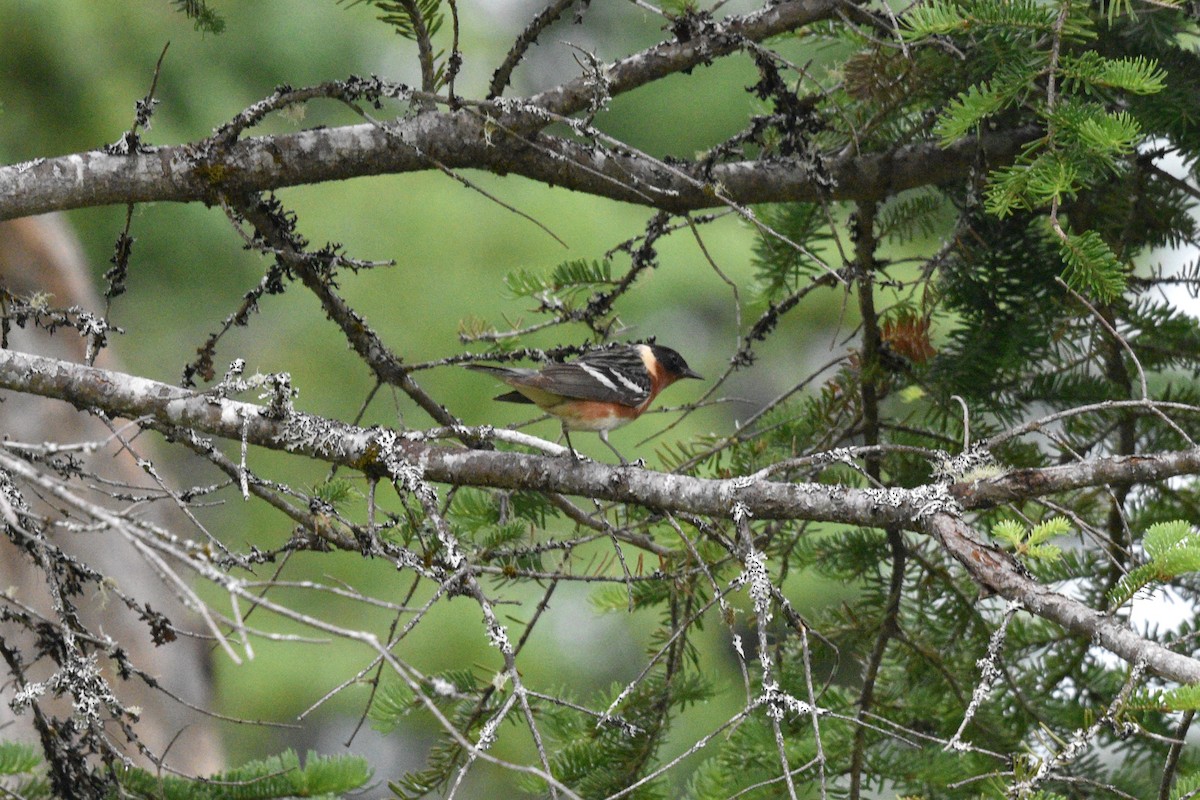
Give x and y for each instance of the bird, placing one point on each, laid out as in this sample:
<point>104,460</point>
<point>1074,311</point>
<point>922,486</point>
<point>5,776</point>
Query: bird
<point>599,391</point>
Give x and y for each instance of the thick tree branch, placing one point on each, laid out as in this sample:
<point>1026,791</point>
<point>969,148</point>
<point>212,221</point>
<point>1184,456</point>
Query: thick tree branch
<point>1007,580</point>
<point>376,451</point>
<point>128,396</point>
<point>202,173</point>
<point>929,509</point>
<point>1023,484</point>
<point>458,140</point>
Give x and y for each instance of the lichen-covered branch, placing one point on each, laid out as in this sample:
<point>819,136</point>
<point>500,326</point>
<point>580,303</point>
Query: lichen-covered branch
<point>930,509</point>
<point>1007,579</point>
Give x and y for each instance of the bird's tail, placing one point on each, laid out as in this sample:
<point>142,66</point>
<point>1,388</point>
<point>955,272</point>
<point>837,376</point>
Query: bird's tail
<point>505,374</point>
<point>499,372</point>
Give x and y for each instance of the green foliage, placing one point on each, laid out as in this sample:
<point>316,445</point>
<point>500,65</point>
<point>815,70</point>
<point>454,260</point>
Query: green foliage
<point>495,522</point>
<point>392,702</point>
<point>1082,201</point>
<point>336,491</point>
<point>1009,341</point>
<point>1090,144</point>
<point>1032,183</point>
<point>1183,698</point>
<point>745,762</point>
<point>1172,112</point>
<point>277,776</point>
<point>17,758</point>
<point>1086,139</point>
<point>404,17</point>
<point>461,699</point>
<point>598,760</point>
<point>1172,549</point>
<point>947,17</point>
<point>966,111</point>
<point>569,277</point>
<point>1176,335</point>
<point>1031,543</point>
<point>1002,335</point>
<point>911,215</point>
<point>679,7</point>
<point>1186,786</point>
<point>616,598</point>
<point>779,266</point>
<point>22,773</point>
<point>1105,134</point>
<point>1092,267</point>
<point>1088,69</point>
<point>201,14</point>
<point>475,509</point>
<point>1000,284</point>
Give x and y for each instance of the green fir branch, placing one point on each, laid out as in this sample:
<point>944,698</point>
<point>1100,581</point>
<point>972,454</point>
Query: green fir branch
<point>1187,787</point>
<point>947,17</point>
<point>1092,267</point>
<point>1172,549</point>
<point>273,777</point>
<point>1182,698</point>
<point>568,277</point>
<point>966,112</point>
<point>1028,542</point>
<point>1137,75</point>
<point>403,16</point>
<point>18,758</point>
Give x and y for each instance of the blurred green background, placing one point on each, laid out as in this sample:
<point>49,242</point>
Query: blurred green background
<point>71,74</point>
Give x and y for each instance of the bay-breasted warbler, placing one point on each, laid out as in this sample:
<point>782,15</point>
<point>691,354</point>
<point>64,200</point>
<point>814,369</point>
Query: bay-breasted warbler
<point>599,391</point>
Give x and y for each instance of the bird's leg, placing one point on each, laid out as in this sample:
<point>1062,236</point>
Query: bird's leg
<point>604,438</point>
<point>570,447</point>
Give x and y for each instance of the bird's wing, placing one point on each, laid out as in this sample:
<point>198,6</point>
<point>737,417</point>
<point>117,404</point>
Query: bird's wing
<point>608,376</point>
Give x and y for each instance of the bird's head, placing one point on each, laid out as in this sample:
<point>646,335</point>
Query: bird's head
<point>672,364</point>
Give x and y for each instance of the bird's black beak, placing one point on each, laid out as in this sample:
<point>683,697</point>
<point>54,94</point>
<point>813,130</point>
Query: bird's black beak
<point>690,373</point>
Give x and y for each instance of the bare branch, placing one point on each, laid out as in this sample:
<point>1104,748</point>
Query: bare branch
<point>542,20</point>
<point>669,58</point>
